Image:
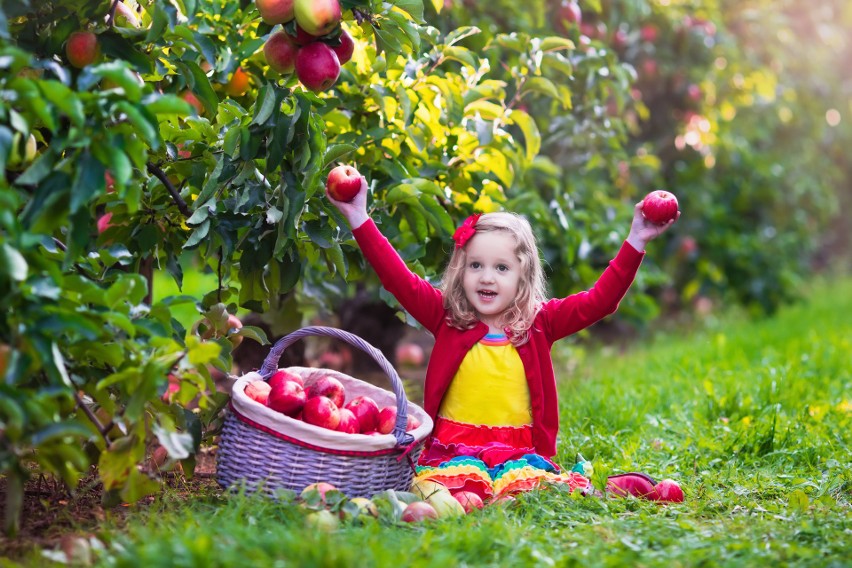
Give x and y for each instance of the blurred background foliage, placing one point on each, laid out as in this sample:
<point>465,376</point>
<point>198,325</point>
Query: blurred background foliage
<point>117,191</point>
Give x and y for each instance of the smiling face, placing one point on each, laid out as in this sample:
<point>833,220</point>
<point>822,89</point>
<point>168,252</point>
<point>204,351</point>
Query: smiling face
<point>492,275</point>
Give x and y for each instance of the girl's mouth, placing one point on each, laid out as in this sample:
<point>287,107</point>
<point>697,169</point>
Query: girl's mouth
<point>487,294</point>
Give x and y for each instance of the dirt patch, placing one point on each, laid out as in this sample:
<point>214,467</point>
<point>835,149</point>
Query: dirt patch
<point>51,513</point>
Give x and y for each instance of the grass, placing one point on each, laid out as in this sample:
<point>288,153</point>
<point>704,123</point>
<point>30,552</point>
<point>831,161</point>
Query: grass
<point>752,418</point>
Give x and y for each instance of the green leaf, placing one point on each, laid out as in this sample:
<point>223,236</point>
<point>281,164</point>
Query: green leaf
<point>265,104</point>
<point>532,136</point>
<point>179,445</point>
<point>131,288</point>
<point>59,431</point>
<point>200,85</point>
<point>65,99</point>
<point>555,43</point>
<point>461,33</point>
<point>169,104</point>
<point>13,265</point>
<point>88,181</point>
<point>147,129</point>
<point>413,7</point>
<point>336,151</point>
<point>198,235</point>
<point>461,54</point>
<point>541,85</point>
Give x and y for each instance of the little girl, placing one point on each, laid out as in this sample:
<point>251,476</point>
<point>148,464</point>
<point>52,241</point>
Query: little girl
<point>490,385</point>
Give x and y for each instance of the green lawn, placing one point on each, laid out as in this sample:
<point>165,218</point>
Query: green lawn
<point>752,418</point>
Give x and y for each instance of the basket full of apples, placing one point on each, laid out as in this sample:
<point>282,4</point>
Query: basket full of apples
<point>290,428</point>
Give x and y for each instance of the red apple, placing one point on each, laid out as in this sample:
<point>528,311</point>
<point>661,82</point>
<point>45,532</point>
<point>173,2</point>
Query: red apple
<point>321,411</point>
<point>280,51</point>
<point>320,488</point>
<point>275,11</point>
<point>282,376</point>
<point>287,397</point>
<point>669,490</point>
<point>104,222</point>
<point>172,389</point>
<point>649,33</point>
<point>302,37</point>
<point>412,423</point>
<point>317,66</point>
<point>366,411</point>
<point>343,183</point>
<point>318,17</point>
<point>328,387</point>
<point>569,13</point>
<point>418,511</point>
<point>410,355</point>
<point>346,48</point>
<point>82,49</point>
<point>693,93</point>
<point>258,391</point>
<point>387,420</point>
<point>619,39</point>
<point>659,207</point>
<point>190,97</point>
<point>469,500</point>
<point>348,423</point>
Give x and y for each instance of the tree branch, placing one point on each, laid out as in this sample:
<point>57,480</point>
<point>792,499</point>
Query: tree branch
<point>157,172</point>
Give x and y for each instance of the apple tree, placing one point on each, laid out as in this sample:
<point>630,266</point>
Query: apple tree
<point>141,140</point>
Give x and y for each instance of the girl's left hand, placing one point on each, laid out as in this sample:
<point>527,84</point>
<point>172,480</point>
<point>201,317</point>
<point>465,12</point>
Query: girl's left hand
<point>643,231</point>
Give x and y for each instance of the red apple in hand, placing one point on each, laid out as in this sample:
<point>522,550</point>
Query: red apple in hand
<point>287,397</point>
<point>321,411</point>
<point>328,387</point>
<point>659,207</point>
<point>366,411</point>
<point>344,183</point>
<point>258,391</point>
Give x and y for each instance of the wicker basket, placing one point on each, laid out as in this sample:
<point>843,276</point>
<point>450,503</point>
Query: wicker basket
<point>266,451</point>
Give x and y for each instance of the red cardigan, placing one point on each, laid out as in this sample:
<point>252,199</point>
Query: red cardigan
<point>556,319</point>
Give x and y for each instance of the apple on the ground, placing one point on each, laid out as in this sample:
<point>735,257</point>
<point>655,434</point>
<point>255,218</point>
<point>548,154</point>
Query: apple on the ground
<point>320,488</point>
<point>469,500</point>
<point>669,490</point>
<point>418,511</point>
<point>343,183</point>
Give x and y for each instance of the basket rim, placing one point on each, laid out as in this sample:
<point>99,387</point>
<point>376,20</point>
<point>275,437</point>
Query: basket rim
<point>309,435</point>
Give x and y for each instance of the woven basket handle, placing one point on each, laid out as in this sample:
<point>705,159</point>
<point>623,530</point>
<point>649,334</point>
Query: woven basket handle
<point>270,365</point>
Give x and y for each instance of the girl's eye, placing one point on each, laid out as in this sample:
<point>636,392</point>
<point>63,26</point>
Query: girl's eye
<point>474,265</point>
<point>502,267</point>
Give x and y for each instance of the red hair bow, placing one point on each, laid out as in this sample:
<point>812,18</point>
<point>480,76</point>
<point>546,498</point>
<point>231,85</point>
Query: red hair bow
<point>466,230</point>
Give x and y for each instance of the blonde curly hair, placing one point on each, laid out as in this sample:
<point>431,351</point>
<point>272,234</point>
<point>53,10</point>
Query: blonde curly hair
<point>518,317</point>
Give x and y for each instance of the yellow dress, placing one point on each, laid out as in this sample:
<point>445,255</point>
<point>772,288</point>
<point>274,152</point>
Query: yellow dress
<point>482,441</point>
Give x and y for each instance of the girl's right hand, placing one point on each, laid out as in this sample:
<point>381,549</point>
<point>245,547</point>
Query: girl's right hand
<point>355,211</point>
